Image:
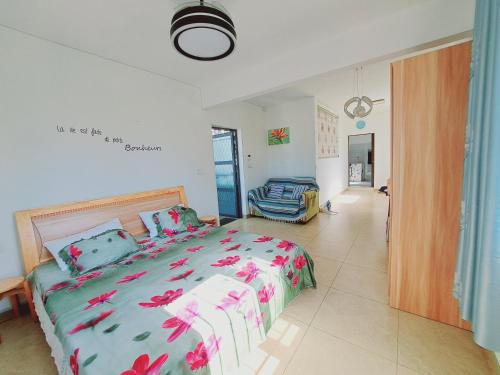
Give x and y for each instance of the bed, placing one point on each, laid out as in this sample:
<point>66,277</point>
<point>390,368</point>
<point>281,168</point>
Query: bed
<point>195,302</point>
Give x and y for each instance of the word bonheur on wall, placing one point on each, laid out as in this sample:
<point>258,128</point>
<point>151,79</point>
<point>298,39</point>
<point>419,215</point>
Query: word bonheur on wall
<point>93,132</point>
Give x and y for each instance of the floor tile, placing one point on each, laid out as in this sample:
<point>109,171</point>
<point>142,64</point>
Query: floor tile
<point>325,270</point>
<point>362,281</point>
<point>434,348</point>
<point>369,253</point>
<point>366,323</point>
<point>335,250</point>
<point>322,354</point>
<point>24,349</point>
<point>305,306</point>
<point>406,371</point>
<point>282,340</point>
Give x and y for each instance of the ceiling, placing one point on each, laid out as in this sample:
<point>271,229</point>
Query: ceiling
<point>333,89</point>
<point>137,32</point>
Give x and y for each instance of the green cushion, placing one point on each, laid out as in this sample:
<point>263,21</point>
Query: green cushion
<point>175,220</point>
<point>88,254</point>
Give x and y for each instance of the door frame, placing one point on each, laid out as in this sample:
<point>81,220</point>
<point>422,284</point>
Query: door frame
<point>373,156</point>
<point>236,165</point>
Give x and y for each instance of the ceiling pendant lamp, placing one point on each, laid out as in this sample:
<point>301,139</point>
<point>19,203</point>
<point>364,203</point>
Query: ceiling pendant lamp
<point>363,105</point>
<point>203,32</point>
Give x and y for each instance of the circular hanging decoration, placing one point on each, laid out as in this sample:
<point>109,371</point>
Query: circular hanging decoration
<point>360,124</point>
<point>363,105</point>
<point>359,109</point>
<point>203,32</point>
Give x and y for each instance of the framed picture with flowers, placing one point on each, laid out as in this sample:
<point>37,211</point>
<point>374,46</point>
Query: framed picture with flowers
<point>278,136</point>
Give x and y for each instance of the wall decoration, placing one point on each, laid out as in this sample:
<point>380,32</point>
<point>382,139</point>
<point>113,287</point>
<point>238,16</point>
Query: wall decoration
<point>328,136</point>
<point>93,132</point>
<point>278,136</point>
<point>360,124</point>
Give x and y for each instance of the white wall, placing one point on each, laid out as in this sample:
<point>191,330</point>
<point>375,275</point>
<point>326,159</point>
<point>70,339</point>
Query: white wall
<point>44,85</point>
<point>298,157</point>
<point>332,173</point>
<point>248,119</point>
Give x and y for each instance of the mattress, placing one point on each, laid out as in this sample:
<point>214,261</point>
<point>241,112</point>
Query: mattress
<point>198,302</point>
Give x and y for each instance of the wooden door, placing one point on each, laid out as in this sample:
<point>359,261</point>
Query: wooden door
<point>429,109</point>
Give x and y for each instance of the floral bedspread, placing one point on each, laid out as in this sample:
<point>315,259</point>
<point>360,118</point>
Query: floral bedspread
<point>197,302</point>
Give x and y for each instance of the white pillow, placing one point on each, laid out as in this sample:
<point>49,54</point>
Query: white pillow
<point>147,219</point>
<point>55,246</point>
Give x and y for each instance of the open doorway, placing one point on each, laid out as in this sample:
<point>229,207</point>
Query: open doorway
<point>361,164</point>
<point>225,143</point>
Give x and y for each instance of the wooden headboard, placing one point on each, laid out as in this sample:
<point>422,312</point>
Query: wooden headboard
<point>39,225</point>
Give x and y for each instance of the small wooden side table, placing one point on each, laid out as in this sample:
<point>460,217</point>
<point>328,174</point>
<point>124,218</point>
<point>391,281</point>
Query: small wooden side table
<point>14,286</point>
<point>209,219</point>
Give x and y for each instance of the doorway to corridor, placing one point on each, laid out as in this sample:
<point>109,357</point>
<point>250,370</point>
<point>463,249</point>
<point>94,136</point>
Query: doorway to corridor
<point>361,160</point>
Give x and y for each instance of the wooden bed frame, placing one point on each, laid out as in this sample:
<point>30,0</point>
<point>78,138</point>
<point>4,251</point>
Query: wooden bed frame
<point>39,225</point>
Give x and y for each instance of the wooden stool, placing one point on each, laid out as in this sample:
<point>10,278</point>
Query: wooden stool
<point>209,219</point>
<point>14,286</point>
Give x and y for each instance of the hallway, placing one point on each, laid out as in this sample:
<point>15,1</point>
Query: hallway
<point>345,326</point>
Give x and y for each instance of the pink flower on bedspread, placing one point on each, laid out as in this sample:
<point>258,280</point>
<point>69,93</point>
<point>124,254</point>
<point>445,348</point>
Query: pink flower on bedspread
<point>99,300</point>
<point>295,281</point>
<point>258,318</point>
<point>232,231</point>
<point>225,240</point>
<point>280,261</point>
<point>169,232</point>
<point>179,263</point>
<point>234,247</point>
<point>181,276</point>
<point>142,242</point>
<point>73,361</point>
<point>170,241</point>
<point>158,251</point>
<point>168,297</point>
<point>203,234</point>
<point>141,365</point>
<point>299,262</point>
<point>91,323</point>
<point>121,234</point>
<point>285,245</point>
<point>174,215</point>
<point>265,294</point>
<point>195,249</point>
<point>58,286</point>
<point>228,261</point>
<point>89,276</point>
<point>150,245</point>
<point>190,228</point>
<point>188,237</point>
<point>75,252</point>
<point>263,239</point>
<point>182,321</point>
<point>129,278</point>
<point>249,271</point>
<point>233,300</point>
<point>202,354</point>
<point>76,286</point>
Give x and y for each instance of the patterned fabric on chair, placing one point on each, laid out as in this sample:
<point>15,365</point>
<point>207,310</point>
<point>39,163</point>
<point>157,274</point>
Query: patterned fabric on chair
<point>298,202</point>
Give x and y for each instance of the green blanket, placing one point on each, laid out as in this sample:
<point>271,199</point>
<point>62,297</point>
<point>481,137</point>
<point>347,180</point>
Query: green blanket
<point>198,302</point>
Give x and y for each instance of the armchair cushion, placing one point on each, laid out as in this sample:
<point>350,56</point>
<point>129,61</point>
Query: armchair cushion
<point>294,204</point>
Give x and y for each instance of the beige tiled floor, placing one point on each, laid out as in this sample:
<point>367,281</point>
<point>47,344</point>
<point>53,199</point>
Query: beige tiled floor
<point>343,327</point>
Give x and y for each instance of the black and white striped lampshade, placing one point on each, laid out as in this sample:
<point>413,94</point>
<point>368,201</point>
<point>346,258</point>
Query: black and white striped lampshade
<point>203,32</point>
